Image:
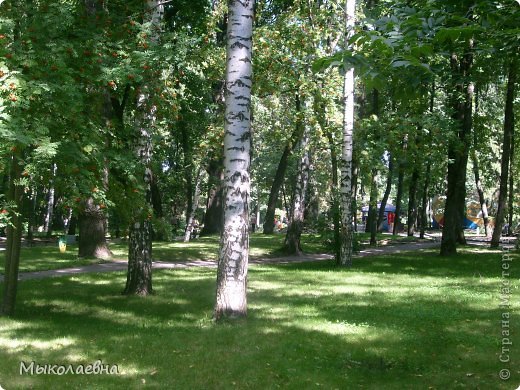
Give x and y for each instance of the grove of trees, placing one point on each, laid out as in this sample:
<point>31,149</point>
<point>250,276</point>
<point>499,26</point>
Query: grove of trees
<point>162,119</point>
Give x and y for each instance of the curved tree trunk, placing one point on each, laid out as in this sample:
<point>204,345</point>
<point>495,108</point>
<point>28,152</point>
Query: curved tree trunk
<point>231,295</point>
<point>295,228</point>
<point>509,125</point>
<point>268,226</point>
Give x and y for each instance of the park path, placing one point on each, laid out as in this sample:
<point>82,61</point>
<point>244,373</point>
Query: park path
<point>121,265</point>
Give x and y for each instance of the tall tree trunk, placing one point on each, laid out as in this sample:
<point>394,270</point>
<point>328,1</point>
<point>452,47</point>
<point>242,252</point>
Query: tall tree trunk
<point>190,223</point>
<point>424,202</point>
<point>458,152</point>
<point>320,112</point>
<point>355,187</point>
<point>231,295</point>
<point>412,206</point>
<point>336,214</point>
<point>14,236</point>
<point>398,199</point>
<point>47,226</point>
<point>214,209</point>
<point>139,274</point>
<point>386,195</point>
<point>188,168</point>
<point>268,226</point>
<point>480,191</point>
<point>30,212</point>
<point>476,173</point>
<point>347,234</point>
<point>295,228</point>
<point>372,208</point>
<point>511,199</point>
<point>72,225</point>
<point>509,126</point>
<point>91,219</point>
<point>156,196</point>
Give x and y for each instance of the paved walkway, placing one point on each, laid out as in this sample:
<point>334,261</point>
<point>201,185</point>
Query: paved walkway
<point>121,265</point>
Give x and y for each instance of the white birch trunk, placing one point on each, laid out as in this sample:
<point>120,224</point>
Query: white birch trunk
<point>139,274</point>
<point>347,146</point>
<point>47,228</point>
<point>234,243</point>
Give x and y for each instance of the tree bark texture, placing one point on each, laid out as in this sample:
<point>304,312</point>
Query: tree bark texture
<point>231,294</point>
<point>458,152</point>
<point>14,237</point>
<point>347,233</point>
<point>139,274</point>
<point>295,228</point>
<point>92,232</point>
<point>509,126</point>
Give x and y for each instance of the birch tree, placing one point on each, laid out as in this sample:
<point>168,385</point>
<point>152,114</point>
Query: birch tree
<point>234,243</point>
<point>139,275</point>
<point>347,146</point>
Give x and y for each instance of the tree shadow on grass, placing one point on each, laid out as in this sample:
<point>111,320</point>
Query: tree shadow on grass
<point>313,328</point>
<point>418,263</point>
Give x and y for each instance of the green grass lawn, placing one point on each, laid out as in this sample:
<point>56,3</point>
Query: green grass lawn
<point>48,257</point>
<point>407,321</point>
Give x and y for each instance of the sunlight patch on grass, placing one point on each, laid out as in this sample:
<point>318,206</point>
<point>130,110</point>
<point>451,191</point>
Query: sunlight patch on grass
<point>419,321</point>
<point>22,344</point>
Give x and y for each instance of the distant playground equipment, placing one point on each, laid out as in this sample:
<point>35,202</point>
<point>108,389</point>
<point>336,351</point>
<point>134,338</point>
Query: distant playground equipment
<point>473,219</point>
<point>388,219</point>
